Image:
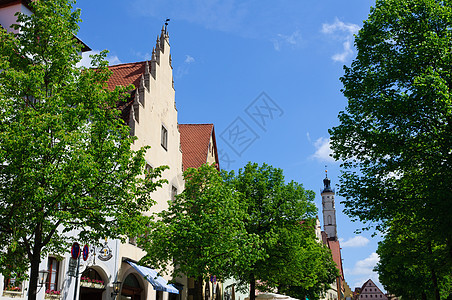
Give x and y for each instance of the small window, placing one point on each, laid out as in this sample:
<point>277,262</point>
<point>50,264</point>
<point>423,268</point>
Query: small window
<point>147,170</point>
<point>330,222</point>
<point>12,284</point>
<point>53,268</point>
<point>164,138</point>
<point>173,193</point>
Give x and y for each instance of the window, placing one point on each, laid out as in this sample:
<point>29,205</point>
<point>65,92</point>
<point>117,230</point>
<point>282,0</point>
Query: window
<point>12,284</point>
<point>147,170</point>
<point>52,278</point>
<point>164,138</point>
<point>173,193</point>
<point>329,220</point>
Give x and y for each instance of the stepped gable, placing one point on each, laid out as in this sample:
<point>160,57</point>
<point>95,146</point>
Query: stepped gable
<point>125,74</point>
<point>194,141</point>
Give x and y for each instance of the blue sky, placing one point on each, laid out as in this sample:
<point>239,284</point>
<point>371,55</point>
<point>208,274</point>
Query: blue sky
<point>268,70</point>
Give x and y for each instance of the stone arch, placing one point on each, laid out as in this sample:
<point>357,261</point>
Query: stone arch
<point>132,287</point>
<point>92,283</point>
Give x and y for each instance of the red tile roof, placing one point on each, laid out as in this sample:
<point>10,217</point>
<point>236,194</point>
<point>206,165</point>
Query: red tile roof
<point>335,248</point>
<point>125,74</point>
<point>194,141</point>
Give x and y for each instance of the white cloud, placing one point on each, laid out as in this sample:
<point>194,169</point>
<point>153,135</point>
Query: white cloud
<point>183,69</point>
<point>189,59</point>
<point>86,60</point>
<point>348,28</point>
<point>343,32</point>
<point>323,150</point>
<point>363,271</point>
<point>281,39</point>
<point>357,241</point>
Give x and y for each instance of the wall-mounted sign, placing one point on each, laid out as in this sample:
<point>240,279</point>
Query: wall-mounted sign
<point>85,252</point>
<point>75,250</point>
<point>72,267</point>
<point>105,252</point>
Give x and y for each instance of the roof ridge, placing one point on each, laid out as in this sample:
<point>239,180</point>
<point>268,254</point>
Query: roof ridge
<point>195,123</point>
<point>130,63</point>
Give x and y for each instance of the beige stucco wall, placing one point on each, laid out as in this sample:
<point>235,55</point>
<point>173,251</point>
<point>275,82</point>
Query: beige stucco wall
<point>156,108</point>
<point>211,154</point>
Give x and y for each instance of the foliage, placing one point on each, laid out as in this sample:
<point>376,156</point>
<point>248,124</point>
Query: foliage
<point>411,264</point>
<point>65,154</point>
<point>202,231</point>
<point>282,216</point>
<point>395,137</point>
<point>315,269</point>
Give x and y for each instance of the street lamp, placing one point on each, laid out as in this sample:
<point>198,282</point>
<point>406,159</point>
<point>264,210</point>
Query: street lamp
<point>42,277</point>
<point>116,288</point>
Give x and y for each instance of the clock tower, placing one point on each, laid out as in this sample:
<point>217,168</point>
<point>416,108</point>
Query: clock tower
<point>328,209</point>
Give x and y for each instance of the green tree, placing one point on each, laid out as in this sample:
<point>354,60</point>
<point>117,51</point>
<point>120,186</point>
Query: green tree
<point>395,136</point>
<point>65,154</point>
<point>282,216</point>
<point>411,265</point>
<point>202,232</point>
<point>314,269</point>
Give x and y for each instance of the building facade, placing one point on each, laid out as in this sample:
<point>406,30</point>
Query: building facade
<point>151,114</point>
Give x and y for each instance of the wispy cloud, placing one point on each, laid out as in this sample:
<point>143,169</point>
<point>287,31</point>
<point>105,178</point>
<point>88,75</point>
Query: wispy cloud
<point>227,15</point>
<point>282,39</point>
<point>86,59</point>
<point>357,241</point>
<point>189,59</point>
<point>343,32</point>
<point>323,150</point>
<point>183,69</point>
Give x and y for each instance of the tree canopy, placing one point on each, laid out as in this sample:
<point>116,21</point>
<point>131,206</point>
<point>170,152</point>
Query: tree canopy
<point>65,154</point>
<point>395,136</point>
<point>282,215</point>
<point>411,264</point>
<point>202,231</point>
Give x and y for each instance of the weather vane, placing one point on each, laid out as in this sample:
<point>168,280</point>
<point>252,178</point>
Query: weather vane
<point>166,24</point>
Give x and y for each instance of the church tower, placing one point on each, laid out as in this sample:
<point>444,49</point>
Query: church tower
<point>328,209</point>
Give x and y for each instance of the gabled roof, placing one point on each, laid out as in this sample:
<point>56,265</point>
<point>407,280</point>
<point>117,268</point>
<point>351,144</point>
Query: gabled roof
<point>194,141</point>
<point>335,248</point>
<point>125,74</point>
<point>372,285</point>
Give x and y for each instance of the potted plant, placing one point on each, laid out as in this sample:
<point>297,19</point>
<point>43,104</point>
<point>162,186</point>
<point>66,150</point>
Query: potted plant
<point>12,291</point>
<point>53,294</point>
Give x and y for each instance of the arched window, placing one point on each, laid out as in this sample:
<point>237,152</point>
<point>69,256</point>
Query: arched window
<point>329,220</point>
<point>131,288</point>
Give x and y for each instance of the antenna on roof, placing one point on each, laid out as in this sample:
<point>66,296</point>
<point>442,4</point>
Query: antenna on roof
<point>166,24</point>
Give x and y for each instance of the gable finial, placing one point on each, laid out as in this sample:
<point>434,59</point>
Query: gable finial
<point>166,26</point>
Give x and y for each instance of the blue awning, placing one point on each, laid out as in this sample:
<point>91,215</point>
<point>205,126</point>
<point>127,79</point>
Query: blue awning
<point>158,282</point>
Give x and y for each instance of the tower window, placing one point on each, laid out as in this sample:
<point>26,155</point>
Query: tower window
<point>164,141</point>
<point>329,220</point>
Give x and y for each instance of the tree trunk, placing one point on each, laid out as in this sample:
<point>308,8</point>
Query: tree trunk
<point>252,287</point>
<point>434,279</point>
<point>198,288</point>
<point>34,264</point>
